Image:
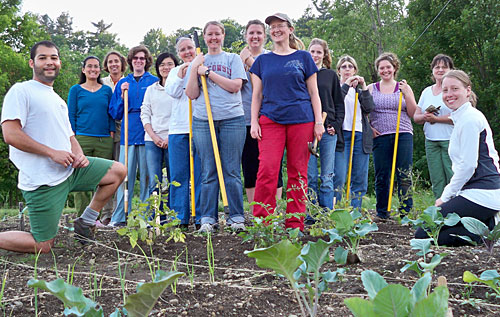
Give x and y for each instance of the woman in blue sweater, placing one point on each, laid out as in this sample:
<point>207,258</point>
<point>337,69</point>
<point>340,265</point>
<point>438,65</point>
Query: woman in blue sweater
<point>88,113</point>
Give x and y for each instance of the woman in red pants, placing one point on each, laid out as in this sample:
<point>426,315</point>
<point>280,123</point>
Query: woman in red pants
<point>285,96</point>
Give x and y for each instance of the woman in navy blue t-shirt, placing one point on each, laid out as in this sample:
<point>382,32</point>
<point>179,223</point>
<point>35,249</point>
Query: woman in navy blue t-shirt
<point>285,96</point>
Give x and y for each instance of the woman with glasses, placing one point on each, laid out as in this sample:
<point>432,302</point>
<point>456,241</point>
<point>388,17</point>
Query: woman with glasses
<point>433,113</point>
<point>156,110</point>
<point>332,104</point>
<point>285,96</point>
<point>225,74</point>
<point>88,114</point>
<point>383,121</point>
<point>139,61</point>
<point>347,68</point>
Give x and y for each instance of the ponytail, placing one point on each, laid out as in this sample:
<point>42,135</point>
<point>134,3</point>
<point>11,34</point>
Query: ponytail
<point>295,42</point>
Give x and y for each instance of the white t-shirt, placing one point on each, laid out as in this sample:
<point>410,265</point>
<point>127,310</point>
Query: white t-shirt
<point>437,131</point>
<point>174,87</point>
<point>156,110</point>
<point>44,117</point>
<point>349,112</point>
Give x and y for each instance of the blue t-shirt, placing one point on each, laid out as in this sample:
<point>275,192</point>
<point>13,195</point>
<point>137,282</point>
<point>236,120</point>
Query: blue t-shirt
<point>285,98</point>
<point>88,111</point>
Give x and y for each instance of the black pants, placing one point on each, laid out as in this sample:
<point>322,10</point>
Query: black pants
<point>463,208</point>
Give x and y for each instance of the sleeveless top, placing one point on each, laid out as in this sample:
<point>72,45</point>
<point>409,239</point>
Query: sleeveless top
<point>385,114</point>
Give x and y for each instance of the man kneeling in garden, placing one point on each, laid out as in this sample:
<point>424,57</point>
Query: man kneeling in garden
<point>51,163</point>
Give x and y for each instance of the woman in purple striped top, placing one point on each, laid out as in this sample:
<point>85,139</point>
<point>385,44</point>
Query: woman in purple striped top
<point>383,120</point>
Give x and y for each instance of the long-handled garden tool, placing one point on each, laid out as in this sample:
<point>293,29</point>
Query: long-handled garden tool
<point>312,146</point>
<point>125,123</point>
<point>351,151</point>
<point>191,159</point>
<point>395,155</point>
<point>212,132</point>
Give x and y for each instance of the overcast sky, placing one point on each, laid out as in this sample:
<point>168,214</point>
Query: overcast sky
<point>133,19</point>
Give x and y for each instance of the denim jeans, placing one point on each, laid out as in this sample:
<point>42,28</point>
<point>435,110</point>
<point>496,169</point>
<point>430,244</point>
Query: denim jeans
<point>359,171</point>
<point>230,134</point>
<point>156,158</point>
<point>327,160</point>
<point>383,150</point>
<point>178,155</point>
<point>136,159</point>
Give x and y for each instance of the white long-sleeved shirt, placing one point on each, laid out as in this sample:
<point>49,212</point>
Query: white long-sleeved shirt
<point>156,110</point>
<point>174,87</point>
<point>470,142</point>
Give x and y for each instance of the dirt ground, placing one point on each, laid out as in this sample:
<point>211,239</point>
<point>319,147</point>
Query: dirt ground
<point>241,288</point>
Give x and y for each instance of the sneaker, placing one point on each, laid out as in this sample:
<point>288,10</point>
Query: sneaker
<point>117,224</point>
<point>83,232</point>
<point>206,228</point>
<point>238,227</point>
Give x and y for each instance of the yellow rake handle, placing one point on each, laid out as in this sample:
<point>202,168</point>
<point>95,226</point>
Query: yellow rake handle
<point>191,158</point>
<point>351,151</point>
<point>395,155</point>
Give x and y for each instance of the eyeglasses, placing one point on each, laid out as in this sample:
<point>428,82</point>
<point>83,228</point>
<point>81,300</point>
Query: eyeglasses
<point>140,58</point>
<point>347,66</point>
<point>278,26</point>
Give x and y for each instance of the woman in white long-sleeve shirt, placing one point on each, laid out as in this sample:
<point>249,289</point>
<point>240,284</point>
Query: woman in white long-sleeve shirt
<point>474,189</point>
<point>156,110</point>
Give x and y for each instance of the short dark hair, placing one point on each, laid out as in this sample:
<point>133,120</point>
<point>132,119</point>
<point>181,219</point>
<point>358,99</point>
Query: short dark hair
<point>448,61</point>
<point>120,56</point>
<point>136,49</point>
<point>42,43</point>
<point>160,59</point>
<point>83,78</point>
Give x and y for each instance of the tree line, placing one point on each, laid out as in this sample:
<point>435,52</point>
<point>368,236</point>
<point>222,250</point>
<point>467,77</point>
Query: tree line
<point>415,30</point>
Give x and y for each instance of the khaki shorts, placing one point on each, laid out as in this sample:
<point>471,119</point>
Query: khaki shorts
<point>46,203</point>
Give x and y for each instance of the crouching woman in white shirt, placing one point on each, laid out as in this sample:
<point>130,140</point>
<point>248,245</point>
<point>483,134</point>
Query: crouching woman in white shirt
<point>474,189</point>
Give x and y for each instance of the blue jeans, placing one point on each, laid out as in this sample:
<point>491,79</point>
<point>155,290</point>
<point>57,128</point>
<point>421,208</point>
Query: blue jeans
<point>383,149</point>
<point>179,172</point>
<point>156,157</point>
<point>136,159</point>
<point>230,134</point>
<point>359,171</point>
<point>327,160</point>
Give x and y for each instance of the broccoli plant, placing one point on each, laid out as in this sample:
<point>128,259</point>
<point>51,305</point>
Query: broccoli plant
<point>489,277</point>
<point>397,300</point>
<point>350,227</point>
<point>302,268</point>
<point>477,227</point>
<point>431,221</point>
<point>422,267</point>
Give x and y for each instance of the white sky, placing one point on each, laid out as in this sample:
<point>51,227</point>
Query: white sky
<point>133,19</point>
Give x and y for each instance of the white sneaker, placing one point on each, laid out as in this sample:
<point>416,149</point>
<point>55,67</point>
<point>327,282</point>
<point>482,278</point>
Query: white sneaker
<point>238,227</point>
<point>206,228</point>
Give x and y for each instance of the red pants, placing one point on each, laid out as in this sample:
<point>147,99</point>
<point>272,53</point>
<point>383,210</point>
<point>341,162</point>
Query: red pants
<point>275,137</point>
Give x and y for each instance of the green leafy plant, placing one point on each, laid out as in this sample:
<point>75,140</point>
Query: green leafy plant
<point>210,258</point>
<point>422,267</point>
<point>265,232</point>
<point>397,300</point>
<point>138,304</point>
<point>142,224</point>
<point>189,269</point>
<point>431,221</point>
<point>489,277</point>
<point>297,265</point>
<point>351,228</point>
<point>477,227</point>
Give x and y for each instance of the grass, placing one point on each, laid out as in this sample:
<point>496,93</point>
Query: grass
<point>12,212</point>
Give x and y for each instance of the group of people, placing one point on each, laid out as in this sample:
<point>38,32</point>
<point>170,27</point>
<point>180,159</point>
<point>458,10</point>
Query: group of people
<point>264,105</point>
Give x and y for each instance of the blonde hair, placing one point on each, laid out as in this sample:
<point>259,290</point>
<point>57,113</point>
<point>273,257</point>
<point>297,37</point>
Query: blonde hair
<point>391,58</point>
<point>327,59</point>
<point>216,23</point>
<point>295,43</point>
<point>462,77</point>
<point>346,58</point>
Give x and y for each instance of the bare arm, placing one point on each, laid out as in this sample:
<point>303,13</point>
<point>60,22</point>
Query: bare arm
<point>14,135</point>
<point>312,88</point>
<point>192,88</point>
<point>255,131</point>
<point>411,104</point>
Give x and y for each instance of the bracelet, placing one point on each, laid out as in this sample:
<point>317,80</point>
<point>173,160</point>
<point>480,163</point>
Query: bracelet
<point>318,123</point>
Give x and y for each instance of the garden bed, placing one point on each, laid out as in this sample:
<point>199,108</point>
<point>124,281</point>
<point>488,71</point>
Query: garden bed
<point>241,288</point>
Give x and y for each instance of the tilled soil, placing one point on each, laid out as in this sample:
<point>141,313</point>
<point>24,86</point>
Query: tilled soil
<point>241,288</point>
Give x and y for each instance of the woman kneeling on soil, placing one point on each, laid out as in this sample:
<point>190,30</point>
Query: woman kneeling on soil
<point>285,95</point>
<point>474,189</point>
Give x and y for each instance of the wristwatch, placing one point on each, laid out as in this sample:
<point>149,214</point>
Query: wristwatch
<point>207,72</point>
